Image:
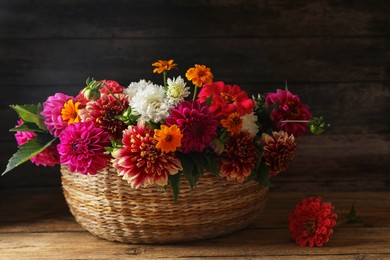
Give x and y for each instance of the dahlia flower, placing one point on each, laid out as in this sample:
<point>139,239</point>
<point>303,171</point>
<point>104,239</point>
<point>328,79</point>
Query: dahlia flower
<point>311,222</point>
<point>151,104</point>
<point>114,87</point>
<point>196,123</point>
<point>240,157</point>
<point>140,162</point>
<point>290,109</point>
<point>199,75</point>
<point>48,157</point>
<point>103,113</point>
<point>52,113</point>
<point>278,151</point>
<point>135,87</point>
<point>226,99</point>
<point>82,147</point>
<point>177,90</point>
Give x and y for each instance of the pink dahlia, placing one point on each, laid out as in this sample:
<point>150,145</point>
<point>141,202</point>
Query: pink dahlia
<point>114,87</point>
<point>278,151</point>
<point>226,99</point>
<point>48,157</point>
<point>140,162</point>
<point>82,147</point>
<point>196,123</point>
<point>290,108</point>
<point>240,157</point>
<point>104,111</point>
<point>311,222</point>
<point>52,113</point>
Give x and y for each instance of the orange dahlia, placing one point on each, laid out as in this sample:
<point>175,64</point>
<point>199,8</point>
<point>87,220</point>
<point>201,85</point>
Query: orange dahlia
<point>240,157</point>
<point>163,65</point>
<point>278,151</point>
<point>140,162</point>
<point>199,75</point>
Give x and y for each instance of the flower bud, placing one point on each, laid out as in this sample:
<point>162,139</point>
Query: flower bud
<point>318,125</point>
<point>91,93</point>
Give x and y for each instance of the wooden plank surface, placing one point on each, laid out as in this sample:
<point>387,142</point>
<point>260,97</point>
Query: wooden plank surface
<point>36,224</point>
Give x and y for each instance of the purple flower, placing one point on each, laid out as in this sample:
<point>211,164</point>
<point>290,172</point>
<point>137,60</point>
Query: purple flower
<point>52,109</point>
<point>196,123</point>
<point>82,147</point>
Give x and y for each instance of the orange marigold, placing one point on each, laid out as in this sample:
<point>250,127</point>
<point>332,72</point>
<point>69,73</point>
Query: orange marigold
<point>163,65</point>
<point>169,138</point>
<point>70,112</point>
<point>199,75</point>
<point>233,123</point>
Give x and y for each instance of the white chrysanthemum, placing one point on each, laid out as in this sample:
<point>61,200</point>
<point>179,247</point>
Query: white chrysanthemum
<point>135,87</point>
<point>177,90</point>
<point>151,104</point>
<point>249,124</point>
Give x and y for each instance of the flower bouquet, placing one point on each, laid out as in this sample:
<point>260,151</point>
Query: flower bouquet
<point>149,163</point>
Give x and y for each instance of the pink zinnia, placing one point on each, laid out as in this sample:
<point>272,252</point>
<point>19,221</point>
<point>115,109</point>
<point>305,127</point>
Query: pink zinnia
<point>290,108</point>
<point>52,108</point>
<point>114,87</point>
<point>82,147</point>
<point>48,157</point>
<point>226,99</point>
<point>239,157</point>
<point>311,222</point>
<point>140,162</point>
<point>196,123</point>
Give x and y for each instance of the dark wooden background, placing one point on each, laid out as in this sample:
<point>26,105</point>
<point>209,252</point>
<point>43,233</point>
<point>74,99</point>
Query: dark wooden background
<point>333,53</point>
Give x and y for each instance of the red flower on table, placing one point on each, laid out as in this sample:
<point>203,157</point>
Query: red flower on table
<point>311,222</point>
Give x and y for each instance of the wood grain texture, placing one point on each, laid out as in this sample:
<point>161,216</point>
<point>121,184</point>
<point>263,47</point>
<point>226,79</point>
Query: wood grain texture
<point>49,232</point>
<point>212,19</point>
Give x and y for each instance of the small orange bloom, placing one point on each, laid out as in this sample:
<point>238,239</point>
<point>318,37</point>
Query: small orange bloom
<point>70,112</point>
<point>163,65</point>
<point>233,123</point>
<point>169,138</point>
<point>199,75</point>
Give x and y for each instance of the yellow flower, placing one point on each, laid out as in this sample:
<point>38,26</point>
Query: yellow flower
<point>199,75</point>
<point>169,138</point>
<point>163,65</point>
<point>70,112</point>
<point>233,123</point>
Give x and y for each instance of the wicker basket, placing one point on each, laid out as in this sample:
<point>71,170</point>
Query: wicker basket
<point>107,207</point>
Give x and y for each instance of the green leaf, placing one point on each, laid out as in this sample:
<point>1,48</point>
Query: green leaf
<point>26,127</point>
<point>30,113</point>
<point>174,180</point>
<point>352,217</point>
<point>188,169</point>
<point>209,100</point>
<point>26,151</point>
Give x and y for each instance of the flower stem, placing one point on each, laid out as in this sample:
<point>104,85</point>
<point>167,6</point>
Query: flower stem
<point>195,90</point>
<point>112,94</point>
<point>165,79</point>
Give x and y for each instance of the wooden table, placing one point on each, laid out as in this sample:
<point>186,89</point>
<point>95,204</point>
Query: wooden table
<point>36,224</point>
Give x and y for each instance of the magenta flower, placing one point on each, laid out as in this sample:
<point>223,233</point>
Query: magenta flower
<point>196,123</point>
<point>290,108</point>
<point>48,157</point>
<point>140,162</point>
<point>52,108</point>
<point>82,147</point>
